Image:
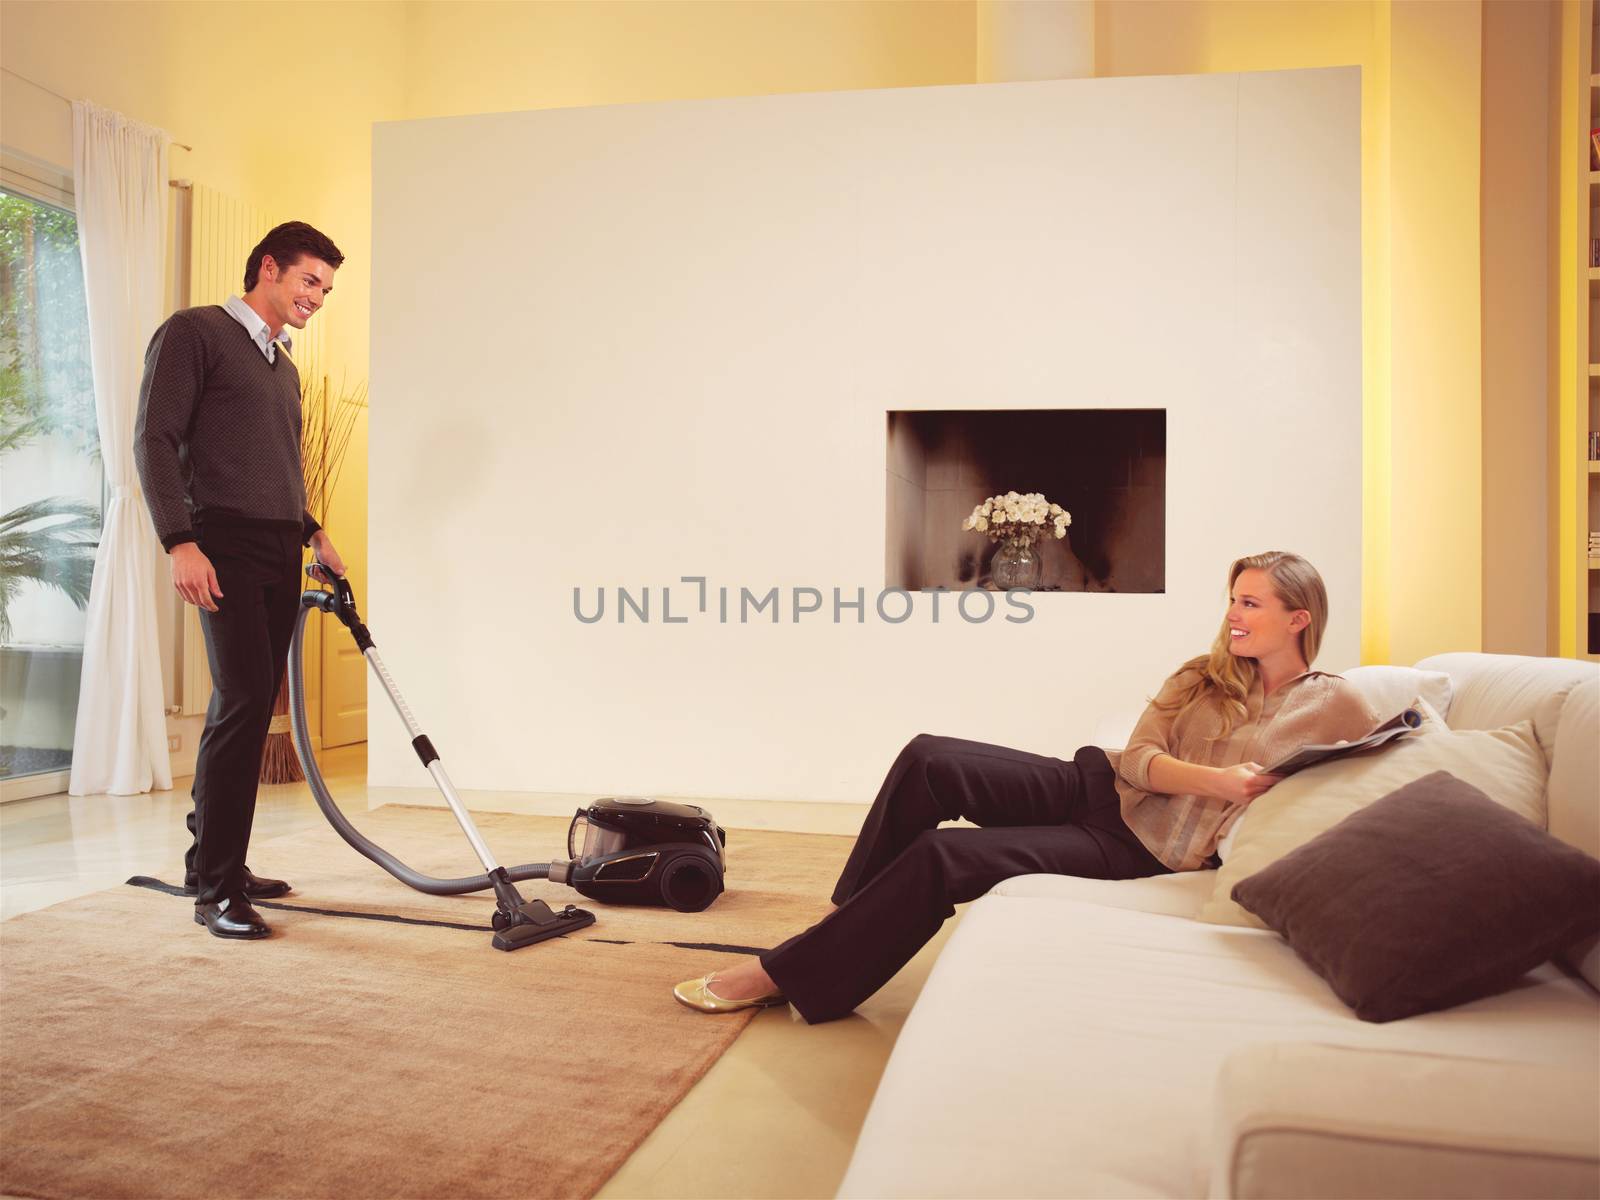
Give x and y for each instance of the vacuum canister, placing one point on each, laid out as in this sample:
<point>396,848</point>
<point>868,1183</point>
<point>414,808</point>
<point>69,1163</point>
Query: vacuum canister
<point>633,850</point>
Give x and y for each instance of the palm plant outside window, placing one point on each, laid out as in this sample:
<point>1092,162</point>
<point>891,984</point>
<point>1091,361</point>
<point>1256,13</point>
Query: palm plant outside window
<point>51,483</point>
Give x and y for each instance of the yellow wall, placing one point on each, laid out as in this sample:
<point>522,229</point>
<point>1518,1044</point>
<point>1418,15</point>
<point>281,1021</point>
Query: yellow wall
<point>1576,326</point>
<point>285,128</point>
<point>1436,413</point>
<point>179,66</point>
<point>1518,320</point>
<point>485,56</point>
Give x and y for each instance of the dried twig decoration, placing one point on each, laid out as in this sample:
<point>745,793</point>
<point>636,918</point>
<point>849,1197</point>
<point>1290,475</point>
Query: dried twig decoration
<point>327,421</point>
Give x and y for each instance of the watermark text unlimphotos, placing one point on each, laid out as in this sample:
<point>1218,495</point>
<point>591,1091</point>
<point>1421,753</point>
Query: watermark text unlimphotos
<point>674,605</point>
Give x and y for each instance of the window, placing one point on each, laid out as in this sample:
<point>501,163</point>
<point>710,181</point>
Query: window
<point>51,479</point>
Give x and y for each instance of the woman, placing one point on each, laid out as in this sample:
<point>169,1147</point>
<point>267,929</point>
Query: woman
<point>1157,806</point>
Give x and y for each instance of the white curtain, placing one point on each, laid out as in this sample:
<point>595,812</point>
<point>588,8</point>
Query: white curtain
<point>120,182</point>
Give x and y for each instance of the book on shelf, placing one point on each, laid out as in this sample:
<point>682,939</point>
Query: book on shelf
<point>1594,149</point>
<point>1402,725</point>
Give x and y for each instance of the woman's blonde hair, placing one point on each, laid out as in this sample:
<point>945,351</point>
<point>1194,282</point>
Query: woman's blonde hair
<point>1223,679</point>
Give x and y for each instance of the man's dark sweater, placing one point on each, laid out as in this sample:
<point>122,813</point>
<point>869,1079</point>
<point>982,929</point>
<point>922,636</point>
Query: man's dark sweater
<point>218,434</point>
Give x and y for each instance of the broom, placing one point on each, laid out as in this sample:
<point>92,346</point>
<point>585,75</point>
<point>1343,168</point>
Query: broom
<point>327,419</point>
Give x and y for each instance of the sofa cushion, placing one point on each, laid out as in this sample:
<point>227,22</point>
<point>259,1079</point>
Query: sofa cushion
<point>1070,1049</point>
<point>1178,895</point>
<point>1492,690</point>
<point>1506,764</point>
<point>1574,794</point>
<point>1390,689</point>
<point>1575,770</point>
<point>1306,1120</point>
<point>1432,896</point>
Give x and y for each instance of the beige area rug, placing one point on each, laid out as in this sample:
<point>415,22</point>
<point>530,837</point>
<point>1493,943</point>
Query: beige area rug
<point>355,1056</point>
<point>774,879</point>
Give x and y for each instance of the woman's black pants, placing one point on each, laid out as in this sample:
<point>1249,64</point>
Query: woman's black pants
<point>905,876</point>
<point>247,645</point>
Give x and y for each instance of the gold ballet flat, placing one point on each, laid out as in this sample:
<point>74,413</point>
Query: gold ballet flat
<point>697,994</point>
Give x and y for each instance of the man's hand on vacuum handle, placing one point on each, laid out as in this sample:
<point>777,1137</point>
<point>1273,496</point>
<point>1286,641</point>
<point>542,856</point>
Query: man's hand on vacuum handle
<point>194,576</point>
<point>322,547</point>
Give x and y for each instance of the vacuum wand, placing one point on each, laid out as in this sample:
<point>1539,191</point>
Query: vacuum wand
<point>517,922</point>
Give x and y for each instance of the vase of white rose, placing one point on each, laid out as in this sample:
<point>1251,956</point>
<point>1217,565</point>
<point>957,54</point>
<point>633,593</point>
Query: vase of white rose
<point>1016,564</point>
<point>1018,522</point>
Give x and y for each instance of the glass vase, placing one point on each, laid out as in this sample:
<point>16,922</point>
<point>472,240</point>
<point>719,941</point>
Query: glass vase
<point>1017,563</point>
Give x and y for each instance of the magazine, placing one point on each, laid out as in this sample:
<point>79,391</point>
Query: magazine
<point>1401,726</point>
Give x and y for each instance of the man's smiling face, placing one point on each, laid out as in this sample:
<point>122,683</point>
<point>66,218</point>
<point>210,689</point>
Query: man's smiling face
<point>295,292</point>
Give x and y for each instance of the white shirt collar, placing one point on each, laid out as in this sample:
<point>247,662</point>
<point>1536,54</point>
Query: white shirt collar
<point>257,328</point>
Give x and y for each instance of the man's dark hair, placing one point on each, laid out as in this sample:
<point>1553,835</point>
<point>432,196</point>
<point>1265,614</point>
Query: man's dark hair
<point>288,244</point>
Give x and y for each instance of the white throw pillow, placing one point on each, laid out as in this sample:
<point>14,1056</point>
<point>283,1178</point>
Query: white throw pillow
<point>1506,764</point>
<point>1431,722</point>
<point>1390,689</point>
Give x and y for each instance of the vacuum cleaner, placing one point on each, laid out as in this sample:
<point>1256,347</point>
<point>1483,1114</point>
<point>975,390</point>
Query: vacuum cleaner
<point>622,850</point>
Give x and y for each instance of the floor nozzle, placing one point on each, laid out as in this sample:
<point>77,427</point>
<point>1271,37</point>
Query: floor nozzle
<point>534,921</point>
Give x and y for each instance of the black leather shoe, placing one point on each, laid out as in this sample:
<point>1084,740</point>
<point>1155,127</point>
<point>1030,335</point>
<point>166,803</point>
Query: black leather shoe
<point>255,887</point>
<point>232,918</point>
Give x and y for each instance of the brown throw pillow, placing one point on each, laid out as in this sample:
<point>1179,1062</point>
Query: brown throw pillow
<point>1430,897</point>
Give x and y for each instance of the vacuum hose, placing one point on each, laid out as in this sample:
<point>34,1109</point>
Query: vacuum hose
<point>324,798</point>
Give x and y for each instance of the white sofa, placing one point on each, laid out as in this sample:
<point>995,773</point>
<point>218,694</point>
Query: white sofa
<point>1086,1038</point>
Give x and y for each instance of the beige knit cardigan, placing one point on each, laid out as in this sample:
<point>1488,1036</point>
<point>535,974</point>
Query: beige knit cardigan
<point>1183,831</point>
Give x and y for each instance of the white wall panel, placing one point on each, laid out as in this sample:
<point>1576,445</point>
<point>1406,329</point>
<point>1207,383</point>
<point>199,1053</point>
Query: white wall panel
<point>659,340</point>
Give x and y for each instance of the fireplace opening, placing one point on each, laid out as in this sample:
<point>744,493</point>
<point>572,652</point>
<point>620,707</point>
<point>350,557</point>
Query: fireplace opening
<point>1107,467</point>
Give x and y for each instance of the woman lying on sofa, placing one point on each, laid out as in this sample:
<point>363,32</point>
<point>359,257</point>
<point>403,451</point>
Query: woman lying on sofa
<point>1159,805</point>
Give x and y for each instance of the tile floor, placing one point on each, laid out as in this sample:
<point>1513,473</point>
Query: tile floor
<point>776,1116</point>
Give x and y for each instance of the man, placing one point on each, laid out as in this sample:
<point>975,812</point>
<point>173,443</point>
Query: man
<point>218,449</point>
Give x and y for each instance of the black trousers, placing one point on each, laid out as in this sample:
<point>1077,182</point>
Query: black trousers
<point>247,644</point>
<point>905,876</point>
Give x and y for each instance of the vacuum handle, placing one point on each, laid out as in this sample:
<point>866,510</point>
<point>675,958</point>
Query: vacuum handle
<point>321,573</point>
<point>341,602</point>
